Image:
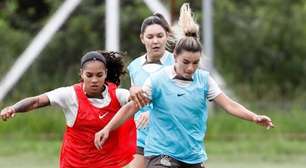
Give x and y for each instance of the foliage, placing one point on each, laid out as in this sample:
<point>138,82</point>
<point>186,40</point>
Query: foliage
<point>259,45</point>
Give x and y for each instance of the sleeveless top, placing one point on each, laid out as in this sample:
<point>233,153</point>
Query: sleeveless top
<point>78,149</point>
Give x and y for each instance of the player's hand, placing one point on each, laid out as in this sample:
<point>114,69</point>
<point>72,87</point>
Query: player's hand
<point>264,121</point>
<point>101,137</point>
<point>143,120</point>
<point>138,96</point>
<point>7,113</point>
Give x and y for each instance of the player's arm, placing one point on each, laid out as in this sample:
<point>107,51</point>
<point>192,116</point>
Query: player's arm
<point>240,111</point>
<point>24,105</point>
<point>137,94</point>
<point>125,112</point>
<point>120,117</point>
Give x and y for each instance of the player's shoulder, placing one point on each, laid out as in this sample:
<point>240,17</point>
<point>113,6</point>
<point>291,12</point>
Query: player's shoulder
<point>137,61</point>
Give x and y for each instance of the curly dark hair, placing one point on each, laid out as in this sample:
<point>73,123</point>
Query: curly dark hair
<point>114,65</point>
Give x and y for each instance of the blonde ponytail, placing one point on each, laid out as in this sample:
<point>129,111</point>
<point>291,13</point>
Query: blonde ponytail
<point>186,21</point>
<point>187,32</point>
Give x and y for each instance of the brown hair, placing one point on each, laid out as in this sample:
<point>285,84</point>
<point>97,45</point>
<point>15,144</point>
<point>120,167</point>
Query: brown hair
<point>156,18</point>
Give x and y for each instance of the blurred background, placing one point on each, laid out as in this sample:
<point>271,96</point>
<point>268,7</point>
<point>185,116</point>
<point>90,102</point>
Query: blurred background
<point>258,47</point>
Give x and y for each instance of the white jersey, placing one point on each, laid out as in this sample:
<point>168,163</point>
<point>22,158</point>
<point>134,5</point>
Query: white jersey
<point>66,98</point>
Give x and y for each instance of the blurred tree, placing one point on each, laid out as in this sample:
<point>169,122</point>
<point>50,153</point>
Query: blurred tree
<point>259,45</point>
<point>27,14</point>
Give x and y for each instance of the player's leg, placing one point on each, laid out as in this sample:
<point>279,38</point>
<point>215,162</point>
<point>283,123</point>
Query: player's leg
<point>139,160</point>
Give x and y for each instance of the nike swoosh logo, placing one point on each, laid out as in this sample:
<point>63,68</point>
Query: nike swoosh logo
<point>102,116</point>
<point>180,94</point>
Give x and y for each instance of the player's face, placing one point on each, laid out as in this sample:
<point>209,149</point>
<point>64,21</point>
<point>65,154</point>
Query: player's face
<point>154,38</point>
<point>186,63</point>
<point>93,74</point>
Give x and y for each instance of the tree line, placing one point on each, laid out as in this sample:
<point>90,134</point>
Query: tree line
<point>260,46</point>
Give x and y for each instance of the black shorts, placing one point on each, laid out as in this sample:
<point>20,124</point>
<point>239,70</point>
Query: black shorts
<point>140,150</point>
<point>163,161</point>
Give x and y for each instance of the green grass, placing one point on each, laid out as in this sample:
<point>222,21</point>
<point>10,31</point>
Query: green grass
<point>33,140</point>
<point>42,123</point>
<point>49,122</point>
<point>15,153</point>
<point>29,153</point>
<point>269,149</point>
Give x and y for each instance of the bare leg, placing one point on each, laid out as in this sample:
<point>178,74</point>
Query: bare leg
<point>137,162</point>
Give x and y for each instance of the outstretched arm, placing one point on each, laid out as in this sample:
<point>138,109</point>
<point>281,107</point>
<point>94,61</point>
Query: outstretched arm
<point>126,112</point>
<point>120,117</point>
<point>24,105</point>
<point>240,111</point>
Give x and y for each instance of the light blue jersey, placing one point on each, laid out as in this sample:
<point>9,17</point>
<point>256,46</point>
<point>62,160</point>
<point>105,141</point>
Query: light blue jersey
<point>178,118</point>
<point>138,76</point>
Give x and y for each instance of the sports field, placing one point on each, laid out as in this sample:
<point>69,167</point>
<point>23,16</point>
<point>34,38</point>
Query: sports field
<point>33,141</point>
<point>34,160</point>
<point>44,154</point>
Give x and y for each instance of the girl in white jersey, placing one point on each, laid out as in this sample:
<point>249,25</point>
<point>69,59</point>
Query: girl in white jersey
<point>88,106</point>
<point>179,116</point>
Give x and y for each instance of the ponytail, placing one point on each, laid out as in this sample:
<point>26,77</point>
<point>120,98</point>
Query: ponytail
<point>186,21</point>
<point>187,32</point>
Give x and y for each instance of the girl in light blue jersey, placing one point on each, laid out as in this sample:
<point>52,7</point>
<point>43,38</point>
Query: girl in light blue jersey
<point>179,95</point>
<point>154,35</point>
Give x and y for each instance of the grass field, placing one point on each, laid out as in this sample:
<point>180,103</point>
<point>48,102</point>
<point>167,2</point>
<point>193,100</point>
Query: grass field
<point>33,141</point>
<point>44,154</point>
<point>34,160</point>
